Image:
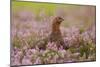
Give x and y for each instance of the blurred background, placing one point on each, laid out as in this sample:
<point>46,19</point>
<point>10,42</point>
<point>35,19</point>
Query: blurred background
<point>31,21</point>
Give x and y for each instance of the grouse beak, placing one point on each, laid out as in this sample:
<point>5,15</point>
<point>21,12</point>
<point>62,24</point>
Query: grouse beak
<point>61,19</point>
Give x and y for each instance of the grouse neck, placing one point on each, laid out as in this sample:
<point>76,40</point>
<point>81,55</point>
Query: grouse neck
<point>55,28</point>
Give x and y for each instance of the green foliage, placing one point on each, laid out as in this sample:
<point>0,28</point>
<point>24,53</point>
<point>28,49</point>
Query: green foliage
<point>35,7</point>
<point>31,40</point>
<point>81,30</point>
<point>73,50</point>
<point>88,49</point>
<point>17,42</point>
<point>50,53</point>
<point>14,0</point>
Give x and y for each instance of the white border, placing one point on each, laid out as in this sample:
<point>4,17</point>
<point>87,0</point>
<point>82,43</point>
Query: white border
<point>4,33</point>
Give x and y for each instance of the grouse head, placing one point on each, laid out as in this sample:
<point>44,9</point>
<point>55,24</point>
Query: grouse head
<point>58,20</point>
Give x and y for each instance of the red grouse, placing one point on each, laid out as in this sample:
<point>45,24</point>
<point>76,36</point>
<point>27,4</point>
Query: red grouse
<point>55,35</point>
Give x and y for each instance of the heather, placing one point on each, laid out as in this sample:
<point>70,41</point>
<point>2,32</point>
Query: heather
<point>31,24</point>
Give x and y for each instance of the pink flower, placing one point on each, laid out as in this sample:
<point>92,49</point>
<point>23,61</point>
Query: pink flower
<point>37,61</point>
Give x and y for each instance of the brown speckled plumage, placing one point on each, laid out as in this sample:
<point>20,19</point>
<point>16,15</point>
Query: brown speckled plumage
<point>55,35</point>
